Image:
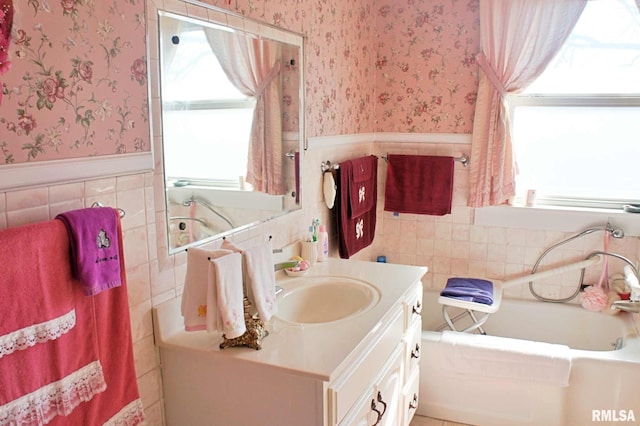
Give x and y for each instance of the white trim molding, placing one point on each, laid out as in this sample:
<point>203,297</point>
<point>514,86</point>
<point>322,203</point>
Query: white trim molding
<point>384,137</point>
<point>56,172</point>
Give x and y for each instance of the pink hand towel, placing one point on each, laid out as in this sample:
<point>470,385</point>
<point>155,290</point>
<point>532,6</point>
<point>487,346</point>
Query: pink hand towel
<point>261,285</point>
<point>196,297</point>
<point>419,184</point>
<point>227,271</point>
<point>95,237</point>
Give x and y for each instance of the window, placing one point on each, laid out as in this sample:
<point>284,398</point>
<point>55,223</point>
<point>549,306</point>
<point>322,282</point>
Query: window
<point>576,129</point>
<point>197,97</point>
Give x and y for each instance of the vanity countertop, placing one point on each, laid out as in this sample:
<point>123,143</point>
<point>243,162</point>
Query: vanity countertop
<point>315,350</point>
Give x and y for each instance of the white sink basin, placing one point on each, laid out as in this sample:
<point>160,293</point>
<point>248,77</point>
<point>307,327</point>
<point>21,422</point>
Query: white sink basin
<point>323,299</point>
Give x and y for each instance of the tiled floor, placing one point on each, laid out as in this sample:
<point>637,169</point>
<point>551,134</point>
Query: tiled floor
<point>428,421</point>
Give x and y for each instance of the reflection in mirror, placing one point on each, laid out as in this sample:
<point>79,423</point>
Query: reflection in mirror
<point>231,113</point>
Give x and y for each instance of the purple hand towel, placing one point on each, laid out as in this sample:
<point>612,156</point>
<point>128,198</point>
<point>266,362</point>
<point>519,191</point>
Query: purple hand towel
<point>95,237</point>
<point>469,289</point>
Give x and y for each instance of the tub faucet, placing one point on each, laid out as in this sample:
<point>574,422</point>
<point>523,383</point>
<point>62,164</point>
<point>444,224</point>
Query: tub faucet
<point>631,279</point>
<point>627,306</point>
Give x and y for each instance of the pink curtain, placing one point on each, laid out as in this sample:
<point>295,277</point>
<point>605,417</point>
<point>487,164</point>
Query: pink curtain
<point>518,39</point>
<point>253,66</point>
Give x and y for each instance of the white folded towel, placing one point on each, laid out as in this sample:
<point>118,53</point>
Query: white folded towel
<point>196,297</point>
<point>505,358</point>
<point>261,280</point>
<point>229,315</point>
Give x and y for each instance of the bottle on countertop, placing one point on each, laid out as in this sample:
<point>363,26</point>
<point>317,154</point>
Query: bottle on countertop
<point>323,244</point>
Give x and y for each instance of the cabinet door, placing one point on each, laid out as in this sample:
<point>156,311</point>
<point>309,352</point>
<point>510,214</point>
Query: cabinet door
<point>385,404</point>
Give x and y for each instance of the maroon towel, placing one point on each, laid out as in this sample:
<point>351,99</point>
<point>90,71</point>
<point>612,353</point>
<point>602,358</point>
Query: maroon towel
<point>95,239</point>
<point>358,232</point>
<point>362,185</point>
<point>419,184</point>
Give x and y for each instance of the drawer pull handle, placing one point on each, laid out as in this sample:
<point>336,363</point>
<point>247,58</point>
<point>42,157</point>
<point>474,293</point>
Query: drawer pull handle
<point>416,352</point>
<point>378,413</point>
<point>414,403</point>
<point>384,408</point>
<point>417,308</point>
<point>374,407</point>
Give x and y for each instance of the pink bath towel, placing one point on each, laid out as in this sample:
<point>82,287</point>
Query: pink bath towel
<point>85,376</point>
<point>419,184</point>
<point>95,237</point>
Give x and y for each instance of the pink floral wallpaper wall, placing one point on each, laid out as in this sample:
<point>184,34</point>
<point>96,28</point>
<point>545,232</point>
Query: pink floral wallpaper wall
<point>78,88</point>
<point>426,76</point>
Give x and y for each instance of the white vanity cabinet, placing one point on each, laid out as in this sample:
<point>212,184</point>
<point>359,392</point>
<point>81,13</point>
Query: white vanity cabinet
<point>359,371</point>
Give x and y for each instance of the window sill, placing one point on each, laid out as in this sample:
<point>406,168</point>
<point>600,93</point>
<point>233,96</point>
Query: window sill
<point>563,219</point>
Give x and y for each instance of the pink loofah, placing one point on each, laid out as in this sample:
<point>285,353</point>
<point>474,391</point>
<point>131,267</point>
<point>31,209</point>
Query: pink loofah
<point>594,298</point>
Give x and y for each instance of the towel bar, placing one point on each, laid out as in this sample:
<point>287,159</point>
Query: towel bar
<point>120,211</point>
<point>464,159</point>
<point>326,165</point>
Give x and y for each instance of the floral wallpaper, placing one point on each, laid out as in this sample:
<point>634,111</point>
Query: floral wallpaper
<point>339,73</point>
<point>426,75</point>
<point>77,86</point>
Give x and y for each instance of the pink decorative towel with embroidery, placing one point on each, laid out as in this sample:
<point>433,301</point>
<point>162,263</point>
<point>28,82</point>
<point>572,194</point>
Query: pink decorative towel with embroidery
<point>419,184</point>
<point>356,232</point>
<point>85,376</point>
<point>362,185</point>
<point>49,361</point>
<point>35,286</point>
<point>95,238</point>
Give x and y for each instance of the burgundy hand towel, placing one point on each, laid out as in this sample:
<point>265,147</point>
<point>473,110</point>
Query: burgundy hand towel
<point>419,184</point>
<point>358,232</point>
<point>95,238</point>
<point>362,185</point>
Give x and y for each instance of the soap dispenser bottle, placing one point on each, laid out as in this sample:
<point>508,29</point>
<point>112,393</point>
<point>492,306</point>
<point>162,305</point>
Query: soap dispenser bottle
<point>323,244</point>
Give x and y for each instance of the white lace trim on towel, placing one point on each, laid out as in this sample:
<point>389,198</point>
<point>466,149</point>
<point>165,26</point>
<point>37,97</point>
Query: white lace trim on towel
<point>57,398</point>
<point>38,333</point>
<point>130,415</point>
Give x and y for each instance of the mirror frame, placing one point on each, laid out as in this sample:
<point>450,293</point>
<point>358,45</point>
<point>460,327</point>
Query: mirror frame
<point>197,12</point>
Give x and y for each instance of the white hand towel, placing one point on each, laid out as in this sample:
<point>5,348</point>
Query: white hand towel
<point>196,298</point>
<point>261,285</point>
<point>227,276</point>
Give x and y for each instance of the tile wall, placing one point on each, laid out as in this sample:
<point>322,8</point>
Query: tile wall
<point>448,245</point>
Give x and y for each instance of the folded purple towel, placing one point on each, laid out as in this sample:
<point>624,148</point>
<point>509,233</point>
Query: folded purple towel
<point>469,289</point>
<point>95,239</point>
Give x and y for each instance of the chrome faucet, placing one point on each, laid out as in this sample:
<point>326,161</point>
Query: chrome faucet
<point>631,276</point>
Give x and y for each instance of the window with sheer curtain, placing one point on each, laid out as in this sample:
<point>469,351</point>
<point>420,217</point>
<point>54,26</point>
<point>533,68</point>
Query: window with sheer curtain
<point>197,97</point>
<point>576,129</point>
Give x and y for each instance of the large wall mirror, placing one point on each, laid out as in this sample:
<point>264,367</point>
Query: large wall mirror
<point>227,122</point>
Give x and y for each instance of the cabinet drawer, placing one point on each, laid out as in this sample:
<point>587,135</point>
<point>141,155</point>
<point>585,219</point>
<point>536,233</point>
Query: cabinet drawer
<point>413,306</point>
<point>410,397</point>
<point>380,404</point>
<point>359,376</point>
<point>412,348</point>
